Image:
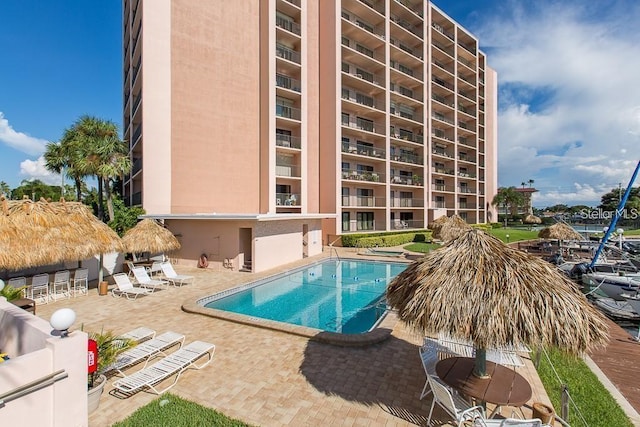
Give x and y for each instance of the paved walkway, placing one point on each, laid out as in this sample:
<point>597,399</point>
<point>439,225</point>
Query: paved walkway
<point>270,378</point>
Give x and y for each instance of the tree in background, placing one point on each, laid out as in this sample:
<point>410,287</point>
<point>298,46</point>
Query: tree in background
<point>36,190</point>
<point>611,200</point>
<point>5,190</point>
<point>64,157</point>
<point>509,199</point>
<point>124,217</point>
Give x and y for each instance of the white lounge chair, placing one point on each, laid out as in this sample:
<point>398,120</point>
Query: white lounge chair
<point>139,334</point>
<point>145,351</point>
<point>143,279</point>
<point>124,287</point>
<point>174,364</point>
<point>508,422</point>
<point>454,405</point>
<point>40,288</point>
<point>429,357</point>
<point>60,287</point>
<point>80,282</point>
<point>173,277</point>
<point>155,268</point>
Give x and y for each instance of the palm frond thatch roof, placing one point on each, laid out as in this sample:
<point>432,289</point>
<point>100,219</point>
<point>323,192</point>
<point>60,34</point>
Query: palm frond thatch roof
<point>44,233</point>
<point>476,288</point>
<point>532,219</point>
<point>149,236</point>
<point>450,229</point>
<point>560,231</point>
<point>437,223</point>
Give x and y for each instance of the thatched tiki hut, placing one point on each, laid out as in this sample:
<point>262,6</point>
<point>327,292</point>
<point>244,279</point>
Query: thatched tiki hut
<point>44,233</point>
<point>532,219</point>
<point>560,231</point>
<point>452,228</point>
<point>476,288</point>
<point>149,236</point>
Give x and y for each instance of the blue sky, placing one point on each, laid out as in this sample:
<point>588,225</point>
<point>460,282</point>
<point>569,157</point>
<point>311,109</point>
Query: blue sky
<point>569,98</point>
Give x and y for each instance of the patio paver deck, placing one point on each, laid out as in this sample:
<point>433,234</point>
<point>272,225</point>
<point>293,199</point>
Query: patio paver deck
<point>270,378</point>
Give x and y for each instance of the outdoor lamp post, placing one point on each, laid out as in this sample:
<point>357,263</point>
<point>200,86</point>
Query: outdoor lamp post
<point>620,232</point>
<point>507,236</point>
<point>61,320</point>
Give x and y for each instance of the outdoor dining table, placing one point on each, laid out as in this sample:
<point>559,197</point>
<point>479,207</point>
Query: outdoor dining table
<point>503,387</point>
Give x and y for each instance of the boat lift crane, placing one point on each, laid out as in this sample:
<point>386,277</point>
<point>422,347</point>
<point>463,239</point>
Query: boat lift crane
<point>614,219</point>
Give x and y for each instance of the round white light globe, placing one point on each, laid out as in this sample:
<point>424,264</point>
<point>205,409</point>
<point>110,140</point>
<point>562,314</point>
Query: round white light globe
<point>62,319</point>
<point>620,230</point>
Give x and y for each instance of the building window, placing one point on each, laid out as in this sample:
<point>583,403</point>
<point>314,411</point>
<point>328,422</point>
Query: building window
<point>365,220</point>
<point>346,221</point>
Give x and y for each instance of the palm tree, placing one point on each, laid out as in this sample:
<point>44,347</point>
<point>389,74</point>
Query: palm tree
<point>531,181</point>
<point>64,157</point>
<point>5,190</point>
<point>105,156</point>
<point>509,199</point>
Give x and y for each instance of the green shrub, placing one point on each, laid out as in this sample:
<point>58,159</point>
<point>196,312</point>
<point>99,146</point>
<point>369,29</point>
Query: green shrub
<point>383,239</point>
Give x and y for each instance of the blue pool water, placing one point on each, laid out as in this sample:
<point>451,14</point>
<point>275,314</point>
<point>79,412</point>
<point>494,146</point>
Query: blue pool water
<point>344,296</point>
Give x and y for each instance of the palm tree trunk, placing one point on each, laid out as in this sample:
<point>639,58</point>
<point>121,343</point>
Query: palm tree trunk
<point>109,200</point>
<point>78,182</point>
<point>100,199</point>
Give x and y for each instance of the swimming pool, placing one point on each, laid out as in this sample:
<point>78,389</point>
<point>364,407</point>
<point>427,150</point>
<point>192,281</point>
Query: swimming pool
<point>345,296</point>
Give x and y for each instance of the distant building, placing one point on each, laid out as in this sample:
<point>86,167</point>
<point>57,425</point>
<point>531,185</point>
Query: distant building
<point>527,193</point>
<point>261,130</point>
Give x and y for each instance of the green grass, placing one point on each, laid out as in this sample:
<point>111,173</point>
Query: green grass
<point>594,402</point>
<point>171,411</point>
<point>421,247</point>
<point>515,235</point>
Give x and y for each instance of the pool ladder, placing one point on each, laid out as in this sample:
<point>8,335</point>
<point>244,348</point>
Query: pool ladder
<point>332,250</point>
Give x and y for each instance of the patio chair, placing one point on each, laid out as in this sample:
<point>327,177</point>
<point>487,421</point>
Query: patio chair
<point>81,281</point>
<point>174,364</point>
<point>40,288</point>
<point>429,357</point>
<point>60,287</point>
<point>145,351</point>
<point>17,282</point>
<point>507,422</point>
<point>124,287</point>
<point>454,405</point>
<point>173,277</point>
<point>130,266</point>
<point>155,268</point>
<point>143,279</point>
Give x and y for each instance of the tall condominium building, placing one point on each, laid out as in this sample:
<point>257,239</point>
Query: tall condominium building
<point>260,130</point>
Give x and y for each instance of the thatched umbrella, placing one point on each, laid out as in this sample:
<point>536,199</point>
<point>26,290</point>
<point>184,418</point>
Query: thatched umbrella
<point>438,222</point>
<point>44,233</point>
<point>149,236</point>
<point>452,229</point>
<point>478,289</point>
<point>532,219</point>
<point>560,231</point>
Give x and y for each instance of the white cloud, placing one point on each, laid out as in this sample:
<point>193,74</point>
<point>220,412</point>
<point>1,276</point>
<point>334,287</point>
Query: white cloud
<point>19,140</point>
<point>569,100</point>
<point>35,169</point>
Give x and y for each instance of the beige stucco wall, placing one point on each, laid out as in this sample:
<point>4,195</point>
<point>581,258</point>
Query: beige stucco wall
<point>156,107</point>
<point>36,353</point>
<point>491,140</point>
<point>215,122</point>
<point>281,242</point>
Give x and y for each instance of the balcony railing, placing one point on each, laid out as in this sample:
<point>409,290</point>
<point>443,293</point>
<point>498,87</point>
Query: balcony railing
<point>471,49</point>
<point>466,190</point>
<point>286,53</point>
<point>288,112</point>
<point>442,187</point>
<point>441,152</point>
<point>136,166</point>
<point>356,71</point>
<point>439,205</point>
<point>466,206</point>
<point>439,28</point>
<point>447,50</point>
<point>402,134</point>
<point>364,150</point>
<point>405,70</point>
<point>410,50</point>
<point>407,158</point>
<point>364,124</point>
<point>442,83</point>
<point>406,202</point>
<point>406,25</point>
<point>407,223</point>
<point>466,158</point>
<point>362,99</point>
<point>287,24</point>
<point>364,201</point>
<point>287,170</point>
<point>466,174</point>
<point>443,170</point>
<point>401,90</point>
<point>465,141</point>
<point>358,175</point>
<point>287,199</point>
<point>442,118</point>
<point>362,23</point>
<point>466,62</point>
<point>288,141</point>
<point>137,132</point>
<point>442,100</point>
<point>287,82</point>
<point>407,180</point>
<point>417,9</point>
<point>466,110</point>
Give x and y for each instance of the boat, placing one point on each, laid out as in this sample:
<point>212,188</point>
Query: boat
<point>612,285</point>
<point>617,310</point>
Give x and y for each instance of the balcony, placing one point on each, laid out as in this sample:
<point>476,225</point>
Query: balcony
<point>462,205</point>
<point>441,152</point>
<point>136,166</point>
<point>288,141</point>
<point>377,31</point>
<point>468,48</point>
<point>403,23</point>
<point>466,110</point>
<point>466,141</point>
<point>440,133</point>
<point>363,201</point>
<point>439,28</point>
<point>413,51</point>
<point>294,2</point>
<point>417,9</point>
<point>407,180</point>
<point>286,53</point>
<point>286,82</point>
<point>287,199</point>
<point>359,175</point>
<point>287,112</point>
<point>443,48</point>
<point>466,174</point>
<point>357,71</point>
<point>405,135</point>
<point>442,100</point>
<point>406,112</point>
<point>287,170</point>
<point>366,125</point>
<point>442,187</point>
<point>406,202</point>
<point>466,190</point>
<point>364,150</point>
<point>405,70</point>
<point>442,118</point>
<point>404,91</point>
<point>287,25</point>
<point>362,99</point>
<point>361,49</point>
<point>137,132</point>
<point>442,83</point>
<point>438,205</point>
<point>407,157</point>
<point>443,170</point>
